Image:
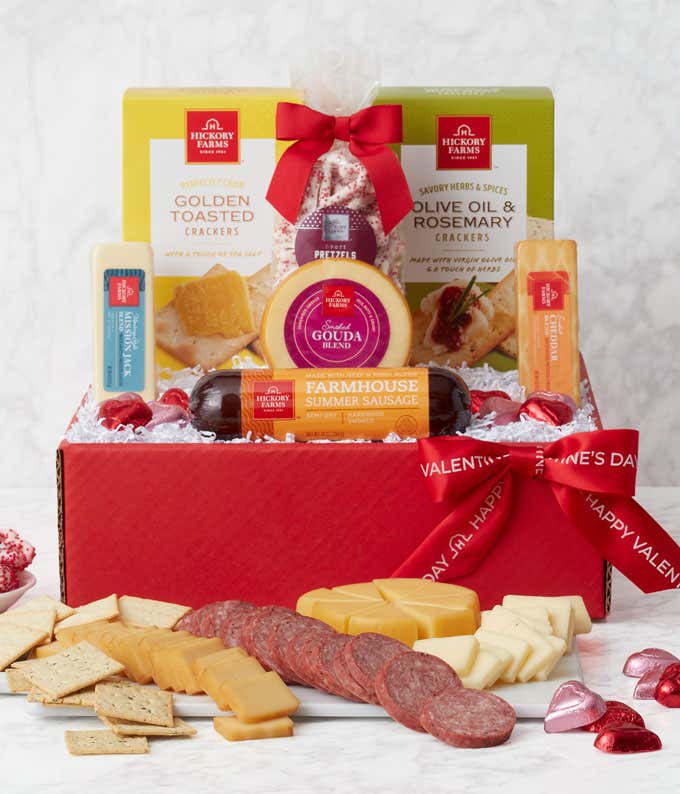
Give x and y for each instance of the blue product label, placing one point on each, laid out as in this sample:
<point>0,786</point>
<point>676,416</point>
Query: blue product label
<point>124,321</point>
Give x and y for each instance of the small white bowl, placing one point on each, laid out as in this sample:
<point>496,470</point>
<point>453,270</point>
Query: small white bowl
<point>26,581</point>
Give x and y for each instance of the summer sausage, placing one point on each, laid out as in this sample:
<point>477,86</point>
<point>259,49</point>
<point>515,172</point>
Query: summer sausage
<point>366,654</point>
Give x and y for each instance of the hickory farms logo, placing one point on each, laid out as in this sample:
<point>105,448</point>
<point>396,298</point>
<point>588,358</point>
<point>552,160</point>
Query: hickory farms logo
<point>338,301</point>
<point>548,290</point>
<point>212,136</point>
<point>273,399</point>
<point>124,291</point>
<point>638,543</point>
<point>463,142</point>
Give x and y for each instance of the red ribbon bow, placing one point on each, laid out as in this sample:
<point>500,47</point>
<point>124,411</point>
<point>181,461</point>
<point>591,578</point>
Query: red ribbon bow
<point>593,478</point>
<point>367,132</point>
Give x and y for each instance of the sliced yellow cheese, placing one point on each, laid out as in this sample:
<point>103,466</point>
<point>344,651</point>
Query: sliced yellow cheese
<point>561,613</point>
<point>313,279</point>
<point>41,651</point>
<point>127,652</point>
<point>439,621</point>
<point>307,601</point>
<point>518,648</point>
<point>485,671</point>
<point>213,678</point>
<point>458,652</point>
<point>233,730</point>
<point>360,590</point>
<point>160,660</point>
<point>215,304</point>
<point>386,619</point>
<point>72,635</point>
<point>337,613</point>
<point>202,663</point>
<point>261,697</point>
<point>181,659</point>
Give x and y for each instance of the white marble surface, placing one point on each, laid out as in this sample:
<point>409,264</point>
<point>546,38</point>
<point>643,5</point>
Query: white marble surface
<point>363,755</point>
<point>615,70</point>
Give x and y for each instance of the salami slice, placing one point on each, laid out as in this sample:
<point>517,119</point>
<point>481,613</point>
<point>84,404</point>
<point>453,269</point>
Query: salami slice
<point>213,617</point>
<point>366,654</point>
<point>332,646</point>
<point>232,629</point>
<point>280,638</point>
<point>264,622</point>
<point>468,718</point>
<point>407,682</point>
<point>188,622</point>
<point>302,656</point>
<point>346,679</point>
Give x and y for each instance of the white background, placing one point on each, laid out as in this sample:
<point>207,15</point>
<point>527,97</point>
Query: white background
<point>615,71</point>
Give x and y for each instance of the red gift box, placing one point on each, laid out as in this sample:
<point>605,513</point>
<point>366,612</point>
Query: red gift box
<point>194,523</point>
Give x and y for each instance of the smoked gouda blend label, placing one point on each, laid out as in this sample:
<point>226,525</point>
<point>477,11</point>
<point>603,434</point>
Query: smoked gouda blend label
<point>323,404</point>
<point>123,317</point>
<point>335,323</point>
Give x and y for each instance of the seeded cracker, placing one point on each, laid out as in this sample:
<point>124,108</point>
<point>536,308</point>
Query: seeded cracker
<point>44,601</point>
<point>84,698</point>
<point>15,641</point>
<point>103,609</point>
<point>75,668</point>
<point>146,612</point>
<point>126,728</point>
<point>38,619</point>
<point>134,703</point>
<point>17,681</point>
<point>104,743</point>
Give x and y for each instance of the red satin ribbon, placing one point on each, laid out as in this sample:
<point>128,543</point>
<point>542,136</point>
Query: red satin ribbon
<point>367,132</point>
<point>593,478</point>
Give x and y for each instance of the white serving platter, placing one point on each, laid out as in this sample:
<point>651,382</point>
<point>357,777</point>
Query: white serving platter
<point>530,700</point>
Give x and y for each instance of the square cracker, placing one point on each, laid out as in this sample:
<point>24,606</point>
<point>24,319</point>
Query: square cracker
<point>17,681</point>
<point>44,601</point>
<point>104,743</point>
<point>83,698</point>
<point>134,704</point>
<point>39,619</point>
<point>102,609</point>
<point>75,668</point>
<point>15,641</point>
<point>147,612</point>
<point>126,728</point>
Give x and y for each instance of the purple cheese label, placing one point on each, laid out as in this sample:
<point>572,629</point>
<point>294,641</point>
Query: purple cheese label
<point>335,233</point>
<point>337,323</point>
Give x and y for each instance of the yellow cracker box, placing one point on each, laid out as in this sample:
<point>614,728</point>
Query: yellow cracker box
<point>196,167</point>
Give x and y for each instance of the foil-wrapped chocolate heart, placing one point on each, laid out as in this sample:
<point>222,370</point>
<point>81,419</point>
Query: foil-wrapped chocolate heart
<point>572,706</point>
<point>126,409</point>
<point>668,689</point>
<point>637,664</point>
<point>506,410</point>
<point>616,712</point>
<point>549,407</point>
<point>645,687</point>
<point>164,413</point>
<point>477,397</point>
<point>175,396</point>
<point>625,737</point>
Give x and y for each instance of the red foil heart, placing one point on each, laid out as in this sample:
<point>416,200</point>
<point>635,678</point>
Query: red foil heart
<point>128,409</point>
<point>645,688</point>
<point>616,712</point>
<point>549,407</point>
<point>506,410</point>
<point>637,664</point>
<point>668,689</point>
<point>477,397</point>
<point>624,737</point>
<point>175,397</point>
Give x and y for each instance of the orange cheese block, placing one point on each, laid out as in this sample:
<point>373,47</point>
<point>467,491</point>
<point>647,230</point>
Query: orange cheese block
<point>439,621</point>
<point>126,648</point>
<point>217,304</point>
<point>261,697</point>
<point>153,641</point>
<point>181,659</point>
<point>213,678</point>
<point>202,663</point>
<point>359,590</point>
<point>321,595</point>
<point>337,613</point>
<point>385,619</point>
<point>160,654</point>
<point>72,635</point>
<point>233,730</point>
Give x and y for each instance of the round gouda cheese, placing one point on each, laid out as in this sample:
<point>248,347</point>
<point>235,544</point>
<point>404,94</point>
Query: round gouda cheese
<point>336,313</point>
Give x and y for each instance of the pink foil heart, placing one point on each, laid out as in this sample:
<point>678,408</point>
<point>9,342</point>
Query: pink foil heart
<point>163,413</point>
<point>616,712</point>
<point>507,411</point>
<point>645,687</point>
<point>572,706</point>
<point>637,664</point>
<point>624,737</point>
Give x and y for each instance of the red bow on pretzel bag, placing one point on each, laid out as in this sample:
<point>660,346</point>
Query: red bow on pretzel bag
<point>592,476</point>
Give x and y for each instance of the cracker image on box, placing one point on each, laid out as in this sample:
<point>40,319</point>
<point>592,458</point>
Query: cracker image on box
<point>479,163</point>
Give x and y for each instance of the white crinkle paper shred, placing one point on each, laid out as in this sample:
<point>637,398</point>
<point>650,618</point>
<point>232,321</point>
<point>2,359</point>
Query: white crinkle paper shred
<point>86,429</point>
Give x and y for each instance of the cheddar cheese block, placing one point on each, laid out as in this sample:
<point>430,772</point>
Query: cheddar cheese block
<point>213,679</point>
<point>202,663</point>
<point>233,730</point>
<point>386,619</point>
<point>260,697</point>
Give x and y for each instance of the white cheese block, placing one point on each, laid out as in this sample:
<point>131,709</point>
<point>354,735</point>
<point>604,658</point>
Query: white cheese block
<point>494,620</point>
<point>485,672</point>
<point>458,652</point>
<point>560,612</point>
<point>518,648</point>
<point>581,618</point>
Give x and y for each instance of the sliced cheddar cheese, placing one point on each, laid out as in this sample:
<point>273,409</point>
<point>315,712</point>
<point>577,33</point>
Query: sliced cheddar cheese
<point>439,621</point>
<point>261,697</point>
<point>233,730</point>
<point>213,678</point>
<point>385,619</point>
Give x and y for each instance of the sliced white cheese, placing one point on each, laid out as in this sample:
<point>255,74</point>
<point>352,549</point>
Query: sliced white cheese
<point>485,672</point>
<point>543,655</point>
<point>560,647</point>
<point>535,614</point>
<point>458,652</point>
<point>519,650</point>
<point>581,618</point>
<point>498,617</point>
